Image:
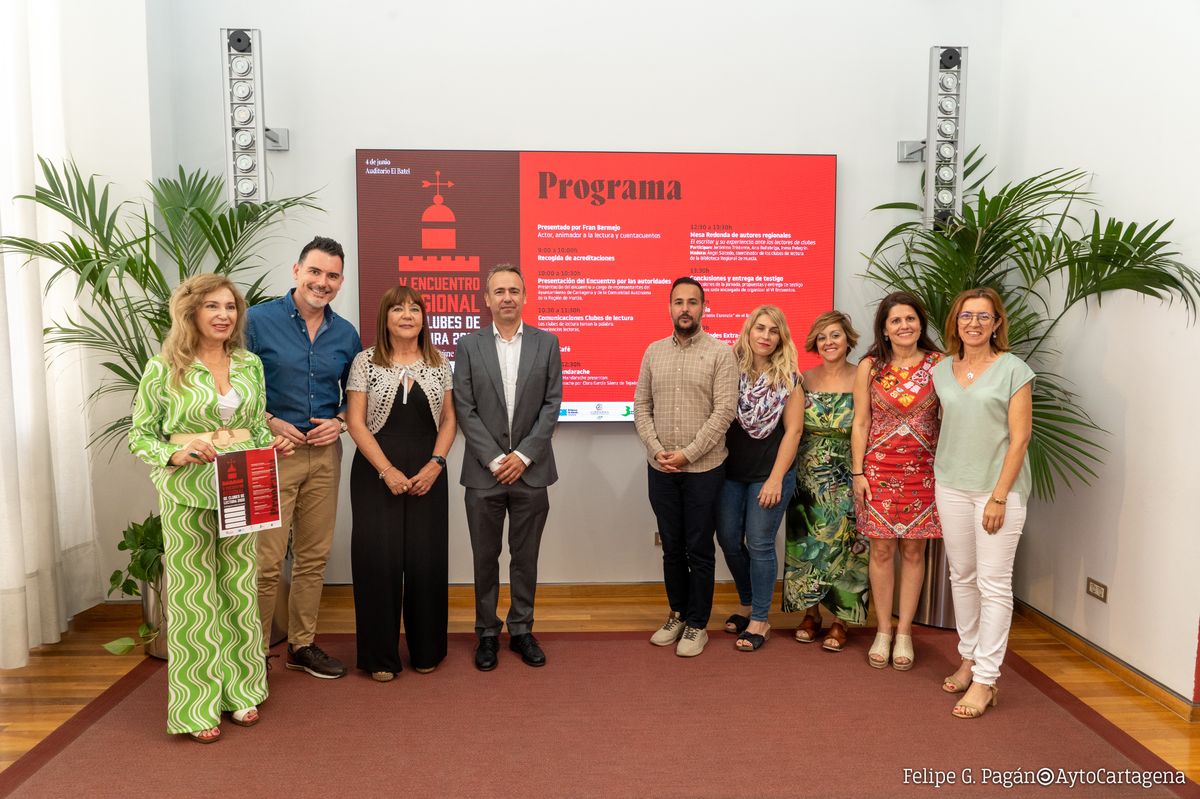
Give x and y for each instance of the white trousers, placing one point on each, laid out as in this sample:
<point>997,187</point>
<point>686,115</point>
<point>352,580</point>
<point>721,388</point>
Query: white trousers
<point>981,567</point>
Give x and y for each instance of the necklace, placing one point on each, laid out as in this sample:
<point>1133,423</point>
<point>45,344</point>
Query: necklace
<point>970,370</point>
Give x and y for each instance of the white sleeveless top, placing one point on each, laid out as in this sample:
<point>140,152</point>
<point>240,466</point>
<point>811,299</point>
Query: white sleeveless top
<point>227,404</point>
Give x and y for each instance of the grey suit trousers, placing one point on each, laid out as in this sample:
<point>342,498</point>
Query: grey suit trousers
<point>527,509</point>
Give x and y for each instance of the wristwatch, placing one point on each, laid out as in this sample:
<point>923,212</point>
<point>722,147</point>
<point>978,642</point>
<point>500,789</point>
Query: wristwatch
<point>439,460</point>
<point>342,422</point>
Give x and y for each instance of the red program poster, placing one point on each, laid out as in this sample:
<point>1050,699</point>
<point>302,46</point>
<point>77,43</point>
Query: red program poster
<point>599,238</point>
<point>247,491</point>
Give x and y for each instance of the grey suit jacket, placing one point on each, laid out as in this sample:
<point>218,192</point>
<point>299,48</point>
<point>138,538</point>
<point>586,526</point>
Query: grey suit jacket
<point>483,417</point>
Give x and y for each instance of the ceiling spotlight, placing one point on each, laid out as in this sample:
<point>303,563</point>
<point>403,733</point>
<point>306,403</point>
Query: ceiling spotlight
<point>242,90</point>
<point>948,81</point>
<point>247,187</point>
<point>244,139</point>
<point>245,162</point>
<point>240,66</point>
<point>947,104</point>
<point>945,151</point>
<point>945,173</point>
<point>243,114</point>
<point>945,197</point>
<point>947,128</point>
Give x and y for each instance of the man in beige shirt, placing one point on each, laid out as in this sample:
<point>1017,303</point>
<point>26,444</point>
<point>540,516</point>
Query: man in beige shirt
<point>686,397</point>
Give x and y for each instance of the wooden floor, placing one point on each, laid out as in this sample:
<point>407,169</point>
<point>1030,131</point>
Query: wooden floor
<point>63,677</point>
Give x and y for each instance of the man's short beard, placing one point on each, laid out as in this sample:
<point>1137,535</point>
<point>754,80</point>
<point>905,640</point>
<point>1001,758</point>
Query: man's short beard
<point>689,332</point>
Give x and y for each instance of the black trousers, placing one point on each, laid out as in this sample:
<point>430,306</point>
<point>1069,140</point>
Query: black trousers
<point>685,505</point>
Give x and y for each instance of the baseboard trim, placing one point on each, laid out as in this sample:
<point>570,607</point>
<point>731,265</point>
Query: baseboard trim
<point>1131,676</point>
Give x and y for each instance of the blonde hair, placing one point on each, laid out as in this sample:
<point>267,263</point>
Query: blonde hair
<point>400,295</point>
<point>999,340</point>
<point>825,320</point>
<point>183,339</point>
<point>782,364</point>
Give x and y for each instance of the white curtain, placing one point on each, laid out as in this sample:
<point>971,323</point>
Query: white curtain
<point>49,557</point>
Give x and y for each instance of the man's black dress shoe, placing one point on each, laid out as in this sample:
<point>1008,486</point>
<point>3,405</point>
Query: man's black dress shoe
<point>527,646</point>
<point>485,653</point>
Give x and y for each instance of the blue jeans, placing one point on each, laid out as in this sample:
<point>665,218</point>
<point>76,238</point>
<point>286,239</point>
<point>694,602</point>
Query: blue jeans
<point>746,532</point>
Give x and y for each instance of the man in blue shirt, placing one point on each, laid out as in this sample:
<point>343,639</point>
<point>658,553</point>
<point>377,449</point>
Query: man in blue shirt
<point>306,350</point>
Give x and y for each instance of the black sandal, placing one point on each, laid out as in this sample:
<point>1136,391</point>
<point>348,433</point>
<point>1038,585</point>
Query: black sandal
<point>736,624</point>
<point>754,639</point>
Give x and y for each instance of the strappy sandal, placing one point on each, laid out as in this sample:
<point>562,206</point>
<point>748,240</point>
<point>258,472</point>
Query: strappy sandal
<point>755,641</point>
<point>736,624</point>
<point>902,649</point>
<point>201,738</point>
<point>966,710</point>
<point>835,638</point>
<point>808,629</point>
<point>243,717</point>
<point>881,651</point>
<point>952,686</point>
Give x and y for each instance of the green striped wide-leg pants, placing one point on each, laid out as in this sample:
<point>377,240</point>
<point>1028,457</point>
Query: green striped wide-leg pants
<point>214,641</point>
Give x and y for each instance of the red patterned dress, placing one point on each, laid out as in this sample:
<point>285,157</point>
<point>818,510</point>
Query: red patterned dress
<point>899,460</point>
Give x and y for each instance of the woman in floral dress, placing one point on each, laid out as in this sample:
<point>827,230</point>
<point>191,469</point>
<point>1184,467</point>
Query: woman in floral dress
<point>893,444</point>
<point>825,559</point>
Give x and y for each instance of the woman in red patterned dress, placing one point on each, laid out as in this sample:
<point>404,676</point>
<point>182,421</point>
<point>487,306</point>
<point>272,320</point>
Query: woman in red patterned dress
<point>893,442</point>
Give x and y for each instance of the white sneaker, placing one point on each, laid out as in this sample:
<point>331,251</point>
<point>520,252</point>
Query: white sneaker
<point>692,642</point>
<point>669,633</point>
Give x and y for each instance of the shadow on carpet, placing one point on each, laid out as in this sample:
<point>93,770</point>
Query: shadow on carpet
<point>608,716</point>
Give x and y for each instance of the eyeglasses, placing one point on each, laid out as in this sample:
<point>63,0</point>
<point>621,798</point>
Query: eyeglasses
<point>982,318</point>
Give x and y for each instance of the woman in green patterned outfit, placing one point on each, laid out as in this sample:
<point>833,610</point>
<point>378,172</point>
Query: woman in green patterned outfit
<point>825,558</point>
<point>205,388</point>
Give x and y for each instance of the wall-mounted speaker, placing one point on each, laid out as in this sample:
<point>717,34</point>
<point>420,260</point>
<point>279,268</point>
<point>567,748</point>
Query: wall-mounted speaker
<point>245,132</point>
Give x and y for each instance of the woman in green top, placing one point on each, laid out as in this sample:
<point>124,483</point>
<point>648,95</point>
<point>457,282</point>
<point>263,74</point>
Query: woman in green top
<point>202,393</point>
<point>983,480</point>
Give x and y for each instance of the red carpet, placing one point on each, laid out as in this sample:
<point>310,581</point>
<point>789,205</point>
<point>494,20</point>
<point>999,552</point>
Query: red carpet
<point>610,715</point>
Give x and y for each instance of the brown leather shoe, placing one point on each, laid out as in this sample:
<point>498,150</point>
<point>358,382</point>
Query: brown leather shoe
<point>808,630</point>
<point>835,638</point>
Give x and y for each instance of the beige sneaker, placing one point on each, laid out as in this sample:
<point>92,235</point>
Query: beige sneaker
<point>692,642</point>
<point>669,633</point>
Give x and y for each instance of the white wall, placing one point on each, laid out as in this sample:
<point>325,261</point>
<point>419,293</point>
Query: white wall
<point>1093,85</point>
<point>845,78</point>
<point>106,121</point>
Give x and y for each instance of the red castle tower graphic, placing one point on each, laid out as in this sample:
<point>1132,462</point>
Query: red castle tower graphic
<point>438,232</point>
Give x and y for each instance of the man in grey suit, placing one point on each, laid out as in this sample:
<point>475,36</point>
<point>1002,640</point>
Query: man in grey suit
<point>507,391</point>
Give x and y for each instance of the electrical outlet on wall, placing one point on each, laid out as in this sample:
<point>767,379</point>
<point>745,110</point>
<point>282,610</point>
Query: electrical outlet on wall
<point>1097,589</point>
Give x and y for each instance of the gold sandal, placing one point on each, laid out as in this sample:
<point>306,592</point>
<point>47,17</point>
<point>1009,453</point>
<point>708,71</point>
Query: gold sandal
<point>902,649</point>
<point>966,710</point>
<point>882,647</point>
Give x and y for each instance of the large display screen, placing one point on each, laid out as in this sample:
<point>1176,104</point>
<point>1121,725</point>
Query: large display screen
<point>599,238</point>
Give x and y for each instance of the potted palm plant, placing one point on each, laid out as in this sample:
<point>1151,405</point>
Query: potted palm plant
<point>1044,246</point>
<point>124,259</point>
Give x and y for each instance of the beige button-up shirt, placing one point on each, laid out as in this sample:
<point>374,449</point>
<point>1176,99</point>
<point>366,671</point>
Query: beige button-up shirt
<point>686,397</point>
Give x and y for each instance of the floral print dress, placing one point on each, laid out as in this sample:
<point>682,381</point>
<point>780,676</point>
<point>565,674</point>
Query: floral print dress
<point>900,450</point>
<point>825,559</point>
